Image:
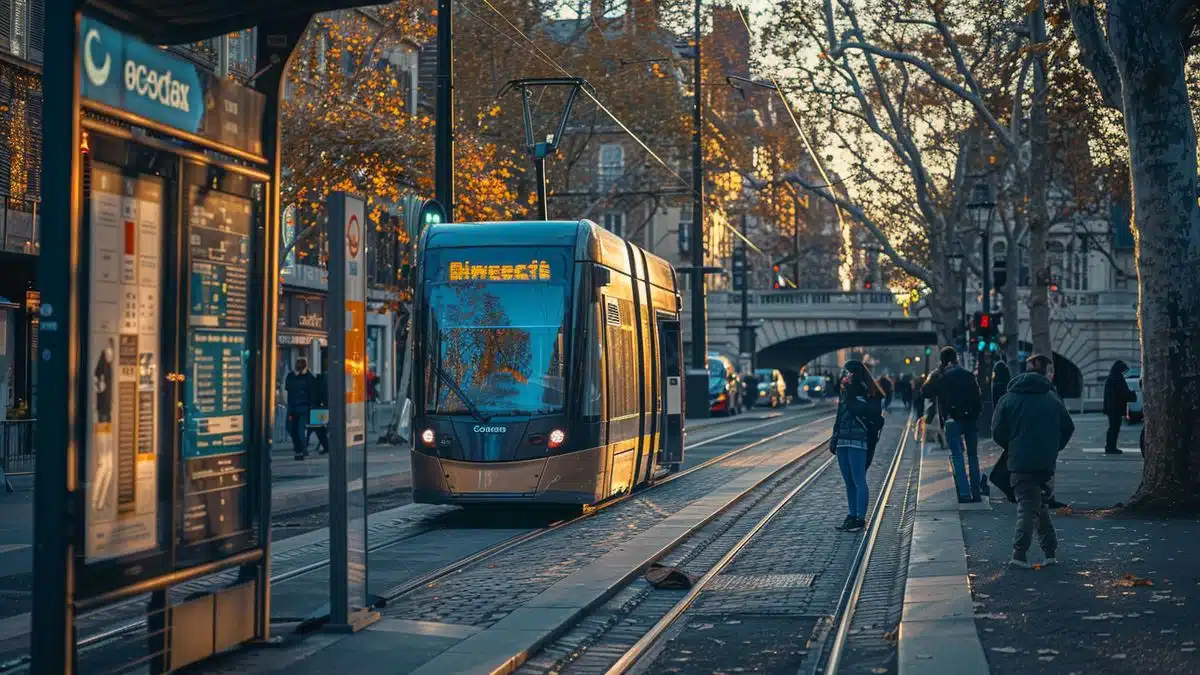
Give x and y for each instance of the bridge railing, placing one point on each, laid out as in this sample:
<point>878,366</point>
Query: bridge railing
<point>803,297</point>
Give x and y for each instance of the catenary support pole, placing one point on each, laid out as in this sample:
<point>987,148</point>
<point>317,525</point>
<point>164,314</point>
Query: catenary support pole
<point>444,109</point>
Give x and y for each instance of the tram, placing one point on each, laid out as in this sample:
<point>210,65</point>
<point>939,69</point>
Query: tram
<point>548,365</point>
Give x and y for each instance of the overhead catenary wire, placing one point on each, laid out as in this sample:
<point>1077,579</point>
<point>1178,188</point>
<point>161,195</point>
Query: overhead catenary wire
<point>799,129</point>
<point>549,60</point>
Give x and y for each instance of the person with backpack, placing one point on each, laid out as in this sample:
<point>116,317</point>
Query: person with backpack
<point>958,405</point>
<point>855,435</point>
<point>1033,426</point>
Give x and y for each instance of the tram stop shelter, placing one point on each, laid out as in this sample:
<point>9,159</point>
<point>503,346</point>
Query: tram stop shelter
<point>159,292</point>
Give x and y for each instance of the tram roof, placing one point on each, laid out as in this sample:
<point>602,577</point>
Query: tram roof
<point>181,21</point>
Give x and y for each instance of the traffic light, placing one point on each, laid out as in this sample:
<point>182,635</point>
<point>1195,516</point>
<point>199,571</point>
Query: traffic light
<point>779,281</point>
<point>739,268</point>
<point>868,284</point>
<point>929,351</point>
<point>984,328</point>
<point>432,213</point>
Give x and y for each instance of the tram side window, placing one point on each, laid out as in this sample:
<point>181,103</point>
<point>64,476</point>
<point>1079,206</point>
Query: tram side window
<point>622,360</point>
<point>593,377</point>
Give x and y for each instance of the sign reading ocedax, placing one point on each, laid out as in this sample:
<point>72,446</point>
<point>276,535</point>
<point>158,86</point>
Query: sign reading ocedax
<point>123,72</point>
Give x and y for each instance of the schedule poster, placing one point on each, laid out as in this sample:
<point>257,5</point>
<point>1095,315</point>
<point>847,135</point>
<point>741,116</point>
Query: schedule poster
<point>123,361</point>
<point>217,366</point>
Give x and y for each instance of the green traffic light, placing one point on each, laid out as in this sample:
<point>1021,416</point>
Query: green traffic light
<point>928,351</point>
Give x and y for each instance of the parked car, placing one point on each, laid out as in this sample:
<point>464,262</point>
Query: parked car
<point>724,387</point>
<point>814,387</point>
<point>1133,410</point>
<point>772,390</point>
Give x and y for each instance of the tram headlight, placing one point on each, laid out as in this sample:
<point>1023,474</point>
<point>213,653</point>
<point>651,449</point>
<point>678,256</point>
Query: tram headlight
<point>557,438</point>
<point>427,437</point>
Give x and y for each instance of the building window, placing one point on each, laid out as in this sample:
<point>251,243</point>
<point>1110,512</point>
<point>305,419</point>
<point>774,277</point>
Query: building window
<point>615,223</point>
<point>1056,260</point>
<point>612,166</point>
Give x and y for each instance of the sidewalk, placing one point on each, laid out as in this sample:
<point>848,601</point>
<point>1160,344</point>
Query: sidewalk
<point>1119,601</point>
<point>299,485</point>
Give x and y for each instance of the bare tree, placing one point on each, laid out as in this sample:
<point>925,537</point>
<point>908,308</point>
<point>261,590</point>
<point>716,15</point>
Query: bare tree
<point>1139,66</point>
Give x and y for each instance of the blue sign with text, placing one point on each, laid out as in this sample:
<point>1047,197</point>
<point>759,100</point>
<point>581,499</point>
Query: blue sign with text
<point>123,72</point>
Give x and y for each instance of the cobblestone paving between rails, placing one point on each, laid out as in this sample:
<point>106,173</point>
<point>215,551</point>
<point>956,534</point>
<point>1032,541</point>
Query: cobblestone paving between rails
<point>772,558</point>
<point>601,637</point>
<point>485,593</point>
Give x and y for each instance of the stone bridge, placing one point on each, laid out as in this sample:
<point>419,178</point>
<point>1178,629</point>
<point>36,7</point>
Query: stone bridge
<point>1090,329</point>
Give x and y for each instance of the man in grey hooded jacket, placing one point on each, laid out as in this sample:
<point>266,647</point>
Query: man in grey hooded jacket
<point>1032,423</point>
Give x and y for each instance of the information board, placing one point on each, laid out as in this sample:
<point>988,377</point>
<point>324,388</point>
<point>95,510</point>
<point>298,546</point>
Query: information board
<point>123,361</point>
<point>216,361</point>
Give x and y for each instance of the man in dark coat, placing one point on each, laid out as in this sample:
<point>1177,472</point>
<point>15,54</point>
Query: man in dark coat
<point>958,406</point>
<point>301,394</point>
<point>1116,395</point>
<point>1033,426</point>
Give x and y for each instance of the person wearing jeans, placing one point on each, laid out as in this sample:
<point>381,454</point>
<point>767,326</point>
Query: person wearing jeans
<point>966,478</point>
<point>859,417</point>
<point>958,408</point>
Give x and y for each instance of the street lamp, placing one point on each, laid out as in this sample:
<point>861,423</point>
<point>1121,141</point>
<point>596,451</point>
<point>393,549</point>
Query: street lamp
<point>957,260</point>
<point>981,207</point>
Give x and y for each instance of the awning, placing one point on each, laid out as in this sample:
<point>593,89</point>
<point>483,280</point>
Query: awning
<point>172,22</point>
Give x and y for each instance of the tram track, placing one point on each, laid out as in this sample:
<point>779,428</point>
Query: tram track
<point>592,654</point>
<point>133,628</point>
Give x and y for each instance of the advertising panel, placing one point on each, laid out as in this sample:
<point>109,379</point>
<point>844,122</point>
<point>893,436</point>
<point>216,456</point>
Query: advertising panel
<point>123,361</point>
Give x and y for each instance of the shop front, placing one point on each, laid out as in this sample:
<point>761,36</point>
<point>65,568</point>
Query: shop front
<point>301,333</point>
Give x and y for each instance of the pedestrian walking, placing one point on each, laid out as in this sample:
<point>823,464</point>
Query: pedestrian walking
<point>885,385</point>
<point>855,432</point>
<point>958,408</point>
<point>300,388</point>
<point>1117,395</point>
<point>1000,379</point>
<point>1032,424</point>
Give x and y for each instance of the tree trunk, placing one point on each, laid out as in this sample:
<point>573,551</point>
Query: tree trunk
<point>946,312</point>
<point>1011,304</point>
<point>1162,148</point>
<point>1039,220</point>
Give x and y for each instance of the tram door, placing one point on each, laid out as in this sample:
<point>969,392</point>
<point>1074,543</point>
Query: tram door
<point>670,349</point>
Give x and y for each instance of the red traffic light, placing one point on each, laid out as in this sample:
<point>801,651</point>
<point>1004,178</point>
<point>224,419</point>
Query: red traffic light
<point>985,320</point>
<point>868,284</point>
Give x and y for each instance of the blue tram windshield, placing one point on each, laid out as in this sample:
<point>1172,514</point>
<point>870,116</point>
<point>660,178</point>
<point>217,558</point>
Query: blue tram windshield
<point>495,327</point>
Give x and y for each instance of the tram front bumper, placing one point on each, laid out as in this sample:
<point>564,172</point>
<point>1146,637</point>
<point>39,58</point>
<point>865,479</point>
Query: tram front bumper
<point>572,478</point>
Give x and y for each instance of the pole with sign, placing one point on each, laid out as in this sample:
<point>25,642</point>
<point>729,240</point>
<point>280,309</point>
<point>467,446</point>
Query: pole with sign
<point>347,321</point>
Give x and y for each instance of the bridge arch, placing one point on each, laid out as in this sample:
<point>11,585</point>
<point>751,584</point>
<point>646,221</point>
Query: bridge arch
<point>796,351</point>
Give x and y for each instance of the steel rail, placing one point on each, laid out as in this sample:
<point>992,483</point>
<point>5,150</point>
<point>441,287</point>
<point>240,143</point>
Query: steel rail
<point>858,574</point>
<point>631,657</point>
<point>411,585</point>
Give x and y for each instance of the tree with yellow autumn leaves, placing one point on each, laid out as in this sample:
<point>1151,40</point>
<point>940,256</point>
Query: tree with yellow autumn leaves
<point>350,123</point>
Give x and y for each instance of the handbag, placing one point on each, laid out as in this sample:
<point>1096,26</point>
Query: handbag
<point>318,417</point>
<point>1001,478</point>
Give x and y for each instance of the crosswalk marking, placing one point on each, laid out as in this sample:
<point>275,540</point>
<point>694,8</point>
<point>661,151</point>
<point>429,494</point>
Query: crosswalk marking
<point>9,548</point>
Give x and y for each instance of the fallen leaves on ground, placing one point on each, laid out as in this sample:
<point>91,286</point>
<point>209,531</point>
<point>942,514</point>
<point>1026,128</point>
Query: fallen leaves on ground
<point>1131,580</point>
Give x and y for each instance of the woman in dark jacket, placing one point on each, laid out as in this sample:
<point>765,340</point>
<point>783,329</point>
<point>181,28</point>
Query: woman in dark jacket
<point>1116,395</point>
<point>855,430</point>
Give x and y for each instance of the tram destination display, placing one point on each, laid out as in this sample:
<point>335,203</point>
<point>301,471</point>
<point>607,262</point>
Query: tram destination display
<point>216,365</point>
<point>123,363</point>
